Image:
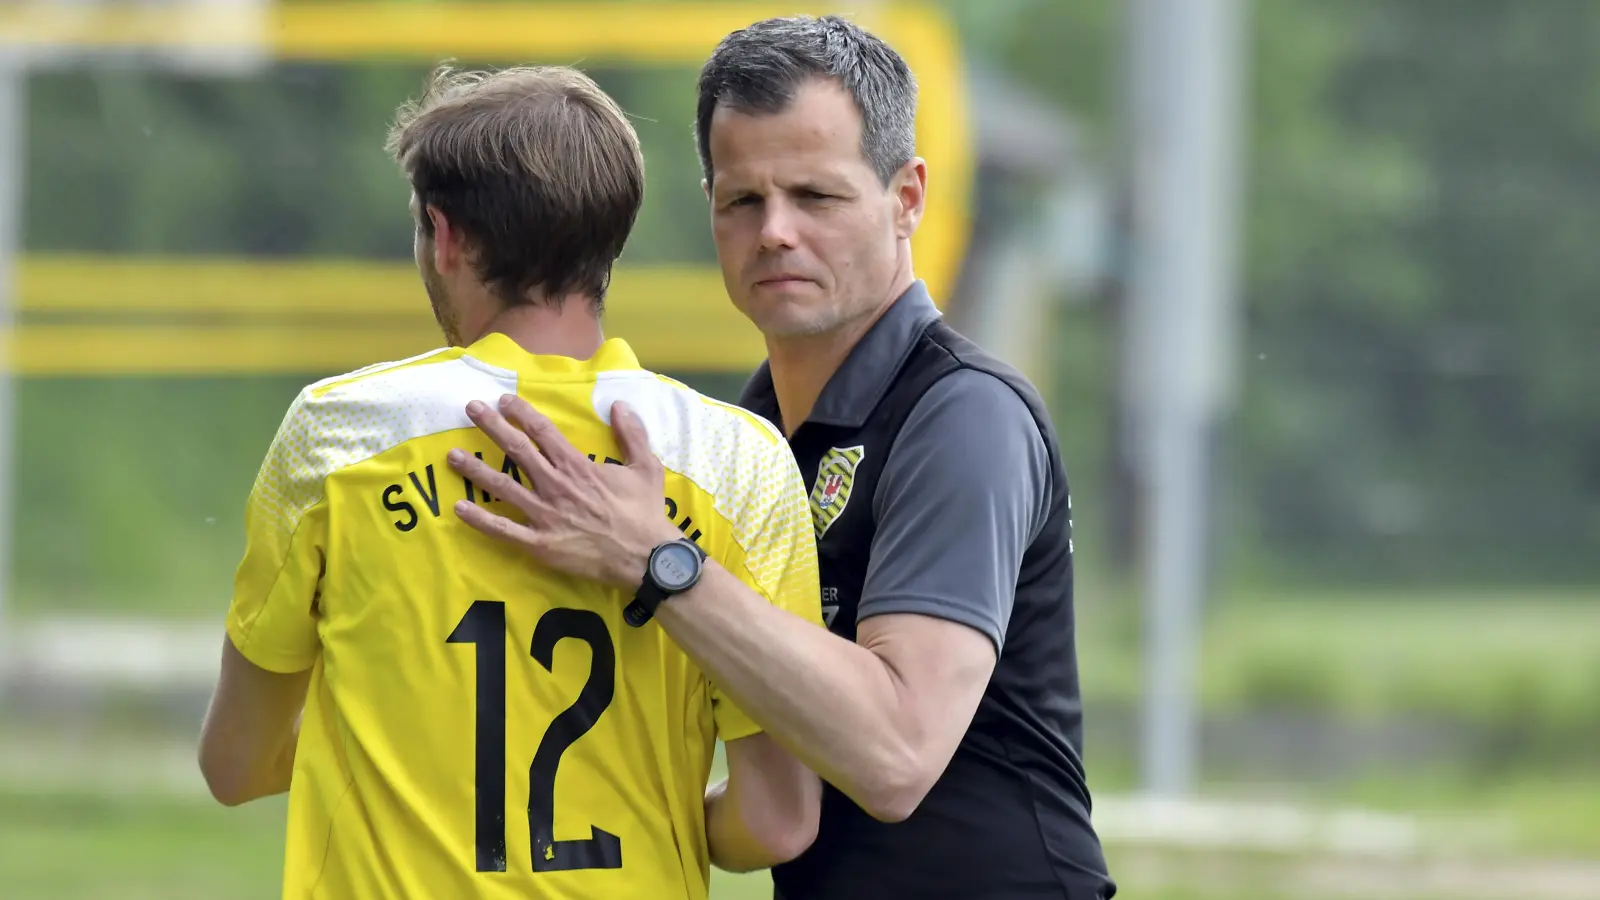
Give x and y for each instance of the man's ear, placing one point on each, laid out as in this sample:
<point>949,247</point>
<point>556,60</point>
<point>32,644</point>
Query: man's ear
<point>910,188</point>
<point>447,247</point>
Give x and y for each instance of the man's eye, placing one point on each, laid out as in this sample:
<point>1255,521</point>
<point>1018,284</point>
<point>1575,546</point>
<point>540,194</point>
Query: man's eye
<point>815,195</point>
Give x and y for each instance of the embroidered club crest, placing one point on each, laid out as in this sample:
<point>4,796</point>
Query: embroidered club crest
<point>831,492</point>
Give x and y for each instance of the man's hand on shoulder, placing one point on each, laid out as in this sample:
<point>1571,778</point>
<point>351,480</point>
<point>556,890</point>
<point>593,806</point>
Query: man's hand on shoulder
<point>590,520</point>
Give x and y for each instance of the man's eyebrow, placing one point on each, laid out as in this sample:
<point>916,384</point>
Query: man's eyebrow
<point>830,187</point>
<point>723,191</point>
<point>817,181</point>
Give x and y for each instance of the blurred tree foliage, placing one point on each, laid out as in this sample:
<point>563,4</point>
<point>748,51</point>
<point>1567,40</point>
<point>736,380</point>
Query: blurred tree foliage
<point>290,163</point>
<point>1421,396</point>
<point>1419,378</point>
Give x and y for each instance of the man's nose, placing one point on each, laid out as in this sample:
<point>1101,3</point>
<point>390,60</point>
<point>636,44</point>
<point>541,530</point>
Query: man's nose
<point>777,224</point>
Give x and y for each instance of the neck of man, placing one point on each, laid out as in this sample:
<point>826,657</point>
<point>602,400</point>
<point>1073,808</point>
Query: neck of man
<point>802,365</point>
<point>569,328</point>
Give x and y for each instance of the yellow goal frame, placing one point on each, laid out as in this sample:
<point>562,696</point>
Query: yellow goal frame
<point>677,317</point>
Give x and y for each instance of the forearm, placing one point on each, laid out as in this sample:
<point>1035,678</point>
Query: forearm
<point>733,847</point>
<point>833,704</point>
<point>276,779</point>
<point>237,773</point>
<point>276,770</point>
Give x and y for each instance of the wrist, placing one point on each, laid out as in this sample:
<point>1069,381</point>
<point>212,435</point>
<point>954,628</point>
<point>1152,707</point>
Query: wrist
<point>673,566</point>
<point>637,568</point>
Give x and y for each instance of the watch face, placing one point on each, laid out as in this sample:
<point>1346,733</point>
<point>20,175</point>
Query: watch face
<point>675,566</point>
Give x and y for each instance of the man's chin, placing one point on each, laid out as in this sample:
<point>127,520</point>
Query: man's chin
<point>789,314</point>
<point>788,324</point>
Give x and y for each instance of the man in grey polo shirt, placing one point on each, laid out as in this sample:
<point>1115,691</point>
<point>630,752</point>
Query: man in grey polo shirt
<point>941,704</point>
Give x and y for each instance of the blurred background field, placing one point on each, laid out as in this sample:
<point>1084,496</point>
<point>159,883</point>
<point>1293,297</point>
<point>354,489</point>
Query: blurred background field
<point>1398,666</point>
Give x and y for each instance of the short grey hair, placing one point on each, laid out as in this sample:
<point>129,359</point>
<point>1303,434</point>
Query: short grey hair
<point>758,70</point>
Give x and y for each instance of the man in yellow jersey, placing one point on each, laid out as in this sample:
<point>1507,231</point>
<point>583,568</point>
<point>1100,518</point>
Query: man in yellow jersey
<point>447,721</point>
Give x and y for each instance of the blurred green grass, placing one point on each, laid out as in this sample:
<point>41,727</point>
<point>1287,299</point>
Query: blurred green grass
<point>137,824</point>
<point>1527,813</point>
<point>84,847</point>
<point>106,813</point>
<point>77,846</point>
<point>1528,657</point>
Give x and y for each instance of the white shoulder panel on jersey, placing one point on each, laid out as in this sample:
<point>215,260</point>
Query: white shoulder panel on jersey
<point>375,368</point>
<point>733,455</point>
<point>359,419</point>
<point>336,424</point>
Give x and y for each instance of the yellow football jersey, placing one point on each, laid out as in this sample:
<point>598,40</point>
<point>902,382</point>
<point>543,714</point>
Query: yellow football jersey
<point>477,726</point>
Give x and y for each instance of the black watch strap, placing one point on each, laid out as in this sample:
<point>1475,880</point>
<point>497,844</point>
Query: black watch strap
<point>643,607</point>
<point>650,595</point>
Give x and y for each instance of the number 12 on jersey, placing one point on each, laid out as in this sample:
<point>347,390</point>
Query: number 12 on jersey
<point>484,626</point>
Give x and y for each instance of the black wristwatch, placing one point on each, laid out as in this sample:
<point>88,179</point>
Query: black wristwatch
<point>674,567</point>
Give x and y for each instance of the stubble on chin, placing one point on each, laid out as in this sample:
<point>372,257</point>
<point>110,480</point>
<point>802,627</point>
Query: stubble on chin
<point>790,320</point>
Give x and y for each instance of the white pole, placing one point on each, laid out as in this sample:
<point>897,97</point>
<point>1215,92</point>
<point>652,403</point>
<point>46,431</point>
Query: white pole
<point>13,121</point>
<point>1186,97</point>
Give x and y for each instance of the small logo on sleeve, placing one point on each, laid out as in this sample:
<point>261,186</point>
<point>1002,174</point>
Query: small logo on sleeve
<point>831,492</point>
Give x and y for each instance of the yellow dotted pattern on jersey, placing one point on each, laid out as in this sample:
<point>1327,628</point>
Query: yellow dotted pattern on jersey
<point>288,484</point>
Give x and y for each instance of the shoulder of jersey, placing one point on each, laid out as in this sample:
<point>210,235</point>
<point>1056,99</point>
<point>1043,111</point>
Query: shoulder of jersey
<point>718,446</point>
<point>353,417</point>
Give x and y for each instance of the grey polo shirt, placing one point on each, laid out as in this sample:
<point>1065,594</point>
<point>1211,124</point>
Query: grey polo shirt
<point>964,491</point>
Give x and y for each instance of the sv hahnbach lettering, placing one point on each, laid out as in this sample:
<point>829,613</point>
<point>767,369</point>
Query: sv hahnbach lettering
<point>420,491</point>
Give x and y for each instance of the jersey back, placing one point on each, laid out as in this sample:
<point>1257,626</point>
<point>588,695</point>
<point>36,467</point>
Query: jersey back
<point>478,725</point>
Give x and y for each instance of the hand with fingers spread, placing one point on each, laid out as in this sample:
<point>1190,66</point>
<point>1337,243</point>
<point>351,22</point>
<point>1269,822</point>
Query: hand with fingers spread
<point>591,520</point>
